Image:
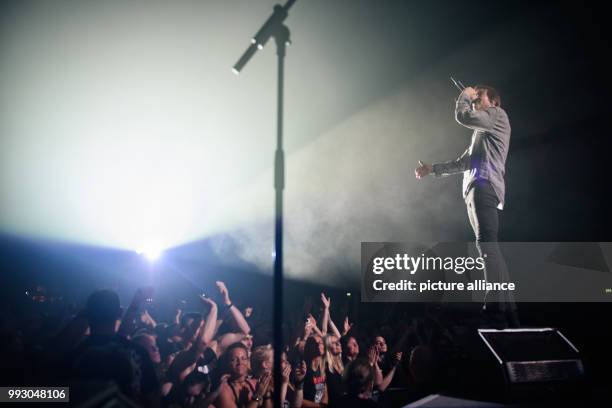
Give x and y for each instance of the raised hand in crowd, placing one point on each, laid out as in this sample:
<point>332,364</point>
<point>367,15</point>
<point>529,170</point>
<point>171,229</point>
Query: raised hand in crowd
<point>147,320</point>
<point>223,292</point>
<point>311,319</point>
<point>304,332</point>
<point>177,315</point>
<point>210,324</point>
<point>326,318</point>
<point>346,326</point>
<point>243,330</point>
<point>308,328</point>
<point>128,322</point>
<point>236,314</point>
<point>325,300</point>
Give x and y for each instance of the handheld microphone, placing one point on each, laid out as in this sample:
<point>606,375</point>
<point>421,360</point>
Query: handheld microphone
<point>457,84</point>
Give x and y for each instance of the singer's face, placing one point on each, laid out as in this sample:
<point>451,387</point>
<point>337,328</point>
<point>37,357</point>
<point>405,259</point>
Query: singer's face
<point>482,102</point>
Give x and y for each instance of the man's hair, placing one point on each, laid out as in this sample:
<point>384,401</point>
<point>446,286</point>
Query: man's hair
<point>491,93</point>
<point>103,307</point>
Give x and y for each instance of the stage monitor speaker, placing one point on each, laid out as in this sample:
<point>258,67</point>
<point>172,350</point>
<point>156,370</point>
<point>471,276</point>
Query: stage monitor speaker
<point>534,360</point>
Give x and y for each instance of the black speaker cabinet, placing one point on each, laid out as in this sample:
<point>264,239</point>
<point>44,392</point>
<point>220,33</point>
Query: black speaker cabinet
<point>535,361</point>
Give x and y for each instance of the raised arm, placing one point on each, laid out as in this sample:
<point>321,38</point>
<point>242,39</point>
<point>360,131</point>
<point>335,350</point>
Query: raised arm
<point>472,118</point>
<point>325,319</point>
<point>346,326</point>
<point>210,326</point>
<point>129,318</point>
<point>239,319</point>
<point>334,329</point>
<point>305,332</point>
<point>315,328</point>
<point>177,316</point>
<point>183,363</point>
<point>327,316</point>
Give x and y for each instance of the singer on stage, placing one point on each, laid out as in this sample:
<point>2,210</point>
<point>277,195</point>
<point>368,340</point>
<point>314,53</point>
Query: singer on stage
<point>483,167</point>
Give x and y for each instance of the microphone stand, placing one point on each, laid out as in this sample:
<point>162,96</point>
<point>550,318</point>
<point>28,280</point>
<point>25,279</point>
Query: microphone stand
<point>275,27</point>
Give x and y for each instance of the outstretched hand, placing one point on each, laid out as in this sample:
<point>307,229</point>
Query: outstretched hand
<point>423,170</point>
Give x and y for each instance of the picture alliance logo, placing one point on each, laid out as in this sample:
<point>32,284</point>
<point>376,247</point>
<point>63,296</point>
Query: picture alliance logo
<point>412,264</point>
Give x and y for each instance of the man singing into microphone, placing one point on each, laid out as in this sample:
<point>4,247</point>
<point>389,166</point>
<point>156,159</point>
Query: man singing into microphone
<point>483,167</point>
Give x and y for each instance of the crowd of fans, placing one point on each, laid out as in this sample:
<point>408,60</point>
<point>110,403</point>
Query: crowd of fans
<point>209,358</point>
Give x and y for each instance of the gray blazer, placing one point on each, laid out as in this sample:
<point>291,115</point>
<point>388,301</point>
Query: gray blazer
<point>485,158</point>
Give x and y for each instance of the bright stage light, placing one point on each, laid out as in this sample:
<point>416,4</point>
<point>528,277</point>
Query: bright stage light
<point>130,143</point>
<point>151,252</point>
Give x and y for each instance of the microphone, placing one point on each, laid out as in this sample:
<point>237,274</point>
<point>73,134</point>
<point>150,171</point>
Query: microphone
<point>457,84</point>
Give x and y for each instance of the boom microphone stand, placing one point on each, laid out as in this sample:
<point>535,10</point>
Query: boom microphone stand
<point>275,27</point>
